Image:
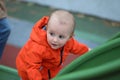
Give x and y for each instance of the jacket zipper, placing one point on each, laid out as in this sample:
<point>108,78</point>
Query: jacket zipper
<point>61,54</point>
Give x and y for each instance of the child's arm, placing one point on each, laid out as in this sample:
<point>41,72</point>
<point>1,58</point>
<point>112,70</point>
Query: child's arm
<point>33,69</point>
<point>79,48</point>
<point>34,60</point>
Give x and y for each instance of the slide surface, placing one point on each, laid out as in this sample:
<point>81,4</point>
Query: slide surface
<point>7,73</point>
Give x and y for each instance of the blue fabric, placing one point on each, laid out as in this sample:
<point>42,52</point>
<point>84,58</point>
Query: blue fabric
<point>4,33</point>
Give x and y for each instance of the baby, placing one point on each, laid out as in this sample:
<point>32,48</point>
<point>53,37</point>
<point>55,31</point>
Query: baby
<point>41,57</point>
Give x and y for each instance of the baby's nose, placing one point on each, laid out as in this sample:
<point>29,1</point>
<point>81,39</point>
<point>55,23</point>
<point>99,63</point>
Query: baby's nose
<point>55,39</point>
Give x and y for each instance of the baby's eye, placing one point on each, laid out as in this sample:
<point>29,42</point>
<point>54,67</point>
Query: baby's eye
<point>52,34</point>
<point>61,37</point>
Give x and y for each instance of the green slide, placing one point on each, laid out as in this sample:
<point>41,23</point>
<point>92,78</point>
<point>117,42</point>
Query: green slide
<point>101,63</point>
<point>8,73</point>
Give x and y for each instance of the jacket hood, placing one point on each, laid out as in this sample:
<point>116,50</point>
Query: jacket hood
<point>38,34</point>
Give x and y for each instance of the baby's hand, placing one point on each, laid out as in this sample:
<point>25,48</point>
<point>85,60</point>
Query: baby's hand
<point>89,49</point>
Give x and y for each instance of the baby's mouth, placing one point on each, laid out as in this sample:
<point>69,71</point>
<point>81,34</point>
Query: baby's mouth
<point>54,44</point>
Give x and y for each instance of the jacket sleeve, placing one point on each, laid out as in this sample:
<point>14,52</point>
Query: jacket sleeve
<point>34,60</point>
<point>78,48</point>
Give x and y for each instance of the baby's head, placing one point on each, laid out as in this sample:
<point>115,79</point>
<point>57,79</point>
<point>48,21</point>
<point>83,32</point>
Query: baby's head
<point>64,19</point>
<point>60,28</point>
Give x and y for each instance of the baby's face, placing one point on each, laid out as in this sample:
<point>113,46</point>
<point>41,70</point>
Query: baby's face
<point>58,35</point>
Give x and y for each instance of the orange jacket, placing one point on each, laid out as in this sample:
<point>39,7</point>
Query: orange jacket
<point>37,59</point>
